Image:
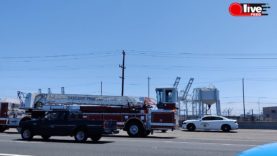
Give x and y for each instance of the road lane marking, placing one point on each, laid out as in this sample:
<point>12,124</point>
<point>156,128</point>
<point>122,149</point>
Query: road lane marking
<point>243,140</point>
<point>6,154</point>
<point>185,142</point>
<point>7,135</point>
<point>19,141</point>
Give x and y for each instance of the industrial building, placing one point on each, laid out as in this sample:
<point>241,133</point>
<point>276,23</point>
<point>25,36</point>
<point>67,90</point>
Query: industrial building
<point>270,113</point>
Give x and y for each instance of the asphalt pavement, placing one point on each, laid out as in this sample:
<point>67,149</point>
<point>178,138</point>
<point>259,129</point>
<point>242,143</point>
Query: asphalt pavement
<point>174,143</point>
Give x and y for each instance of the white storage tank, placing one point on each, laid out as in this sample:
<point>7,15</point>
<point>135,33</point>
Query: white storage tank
<point>208,96</point>
<point>204,98</point>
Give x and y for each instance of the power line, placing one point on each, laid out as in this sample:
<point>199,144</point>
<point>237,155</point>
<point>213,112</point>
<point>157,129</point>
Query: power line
<point>156,53</point>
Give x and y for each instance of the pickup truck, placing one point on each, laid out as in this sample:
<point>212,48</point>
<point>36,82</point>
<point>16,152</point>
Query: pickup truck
<point>66,123</point>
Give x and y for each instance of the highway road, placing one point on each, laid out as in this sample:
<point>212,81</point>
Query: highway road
<point>174,143</point>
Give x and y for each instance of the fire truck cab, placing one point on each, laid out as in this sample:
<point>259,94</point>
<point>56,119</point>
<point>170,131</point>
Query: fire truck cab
<point>167,98</point>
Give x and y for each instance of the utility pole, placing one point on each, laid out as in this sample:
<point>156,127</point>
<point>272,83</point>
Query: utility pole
<point>123,70</point>
<point>101,89</point>
<point>252,118</point>
<point>148,80</point>
<point>243,98</point>
<point>259,109</point>
<point>62,90</point>
<point>228,112</point>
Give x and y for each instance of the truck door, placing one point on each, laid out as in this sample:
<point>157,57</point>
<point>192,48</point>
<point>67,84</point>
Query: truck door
<point>51,124</point>
<point>45,125</point>
<point>4,110</point>
<point>62,125</point>
<point>59,124</point>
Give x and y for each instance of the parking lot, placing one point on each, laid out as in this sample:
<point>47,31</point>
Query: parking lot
<point>178,142</point>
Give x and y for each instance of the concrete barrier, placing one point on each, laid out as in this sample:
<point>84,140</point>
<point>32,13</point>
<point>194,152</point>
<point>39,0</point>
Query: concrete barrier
<point>257,125</point>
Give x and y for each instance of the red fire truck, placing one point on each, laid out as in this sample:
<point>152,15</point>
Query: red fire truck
<point>139,116</point>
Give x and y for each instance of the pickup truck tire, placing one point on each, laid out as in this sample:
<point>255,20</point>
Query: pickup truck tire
<point>2,129</point>
<point>26,134</point>
<point>225,128</point>
<point>96,138</point>
<point>135,129</point>
<point>163,131</point>
<point>146,133</point>
<point>45,137</point>
<point>80,135</point>
<point>191,127</point>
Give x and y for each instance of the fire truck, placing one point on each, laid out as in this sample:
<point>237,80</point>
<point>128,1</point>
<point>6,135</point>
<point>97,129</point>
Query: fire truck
<point>11,114</point>
<point>139,116</point>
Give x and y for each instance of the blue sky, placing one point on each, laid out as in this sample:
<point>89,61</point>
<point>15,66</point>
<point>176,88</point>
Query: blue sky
<point>78,44</point>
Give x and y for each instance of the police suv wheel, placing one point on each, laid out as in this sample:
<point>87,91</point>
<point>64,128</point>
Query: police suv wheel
<point>80,136</point>
<point>191,127</point>
<point>225,128</point>
<point>26,134</point>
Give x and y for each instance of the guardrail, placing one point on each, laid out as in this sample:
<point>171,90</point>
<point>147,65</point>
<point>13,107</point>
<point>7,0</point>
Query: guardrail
<point>257,125</point>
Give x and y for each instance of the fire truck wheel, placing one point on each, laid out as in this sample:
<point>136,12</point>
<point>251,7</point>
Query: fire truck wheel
<point>96,138</point>
<point>26,134</point>
<point>80,135</point>
<point>45,137</point>
<point>135,129</point>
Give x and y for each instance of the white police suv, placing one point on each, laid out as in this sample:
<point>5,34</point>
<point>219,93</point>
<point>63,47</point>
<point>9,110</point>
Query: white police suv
<point>211,122</point>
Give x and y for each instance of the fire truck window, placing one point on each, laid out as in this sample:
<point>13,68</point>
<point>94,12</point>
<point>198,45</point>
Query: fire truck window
<point>168,96</point>
<point>159,96</point>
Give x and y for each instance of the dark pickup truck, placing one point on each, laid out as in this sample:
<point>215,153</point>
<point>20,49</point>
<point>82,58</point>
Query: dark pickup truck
<point>66,123</point>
